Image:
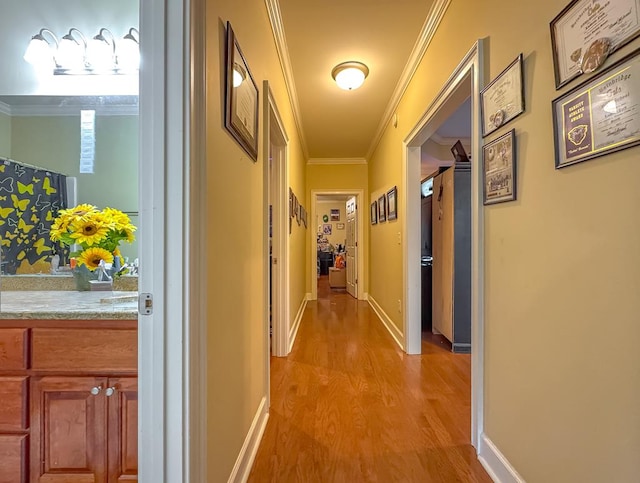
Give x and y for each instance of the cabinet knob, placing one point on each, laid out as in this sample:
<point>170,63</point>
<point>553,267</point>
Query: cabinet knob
<point>96,390</point>
<point>110,391</point>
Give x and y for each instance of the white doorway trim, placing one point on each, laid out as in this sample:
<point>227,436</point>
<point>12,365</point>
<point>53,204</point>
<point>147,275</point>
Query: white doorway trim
<point>162,339</point>
<point>313,229</point>
<point>470,69</point>
<point>275,144</point>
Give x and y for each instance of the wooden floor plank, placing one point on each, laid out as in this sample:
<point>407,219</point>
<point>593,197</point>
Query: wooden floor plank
<point>347,405</point>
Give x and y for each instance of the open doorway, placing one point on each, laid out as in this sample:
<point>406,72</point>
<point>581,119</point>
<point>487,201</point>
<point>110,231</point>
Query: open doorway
<point>336,261</point>
<point>466,81</point>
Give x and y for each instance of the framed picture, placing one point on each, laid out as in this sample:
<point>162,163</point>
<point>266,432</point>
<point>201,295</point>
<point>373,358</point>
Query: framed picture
<point>599,116</point>
<point>392,209</point>
<point>304,217</point>
<point>326,228</point>
<point>499,169</point>
<point>382,208</point>
<point>339,226</point>
<point>241,109</point>
<point>290,203</point>
<point>335,214</point>
<point>503,99</point>
<point>585,33</point>
<point>374,212</point>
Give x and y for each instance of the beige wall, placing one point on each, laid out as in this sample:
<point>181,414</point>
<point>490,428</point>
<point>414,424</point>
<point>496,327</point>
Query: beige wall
<point>562,371</point>
<point>5,135</point>
<point>53,142</point>
<point>324,208</point>
<point>340,177</point>
<point>236,265</point>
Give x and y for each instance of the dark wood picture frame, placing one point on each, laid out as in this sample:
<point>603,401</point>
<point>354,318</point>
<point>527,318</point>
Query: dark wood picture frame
<point>382,208</point>
<point>242,100</point>
<point>374,213</point>
<point>492,121</point>
<point>500,154</point>
<point>392,204</point>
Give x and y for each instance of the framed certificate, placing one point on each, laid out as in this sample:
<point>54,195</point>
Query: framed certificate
<point>503,99</point>
<point>241,110</point>
<point>587,31</point>
<point>499,169</point>
<point>599,116</point>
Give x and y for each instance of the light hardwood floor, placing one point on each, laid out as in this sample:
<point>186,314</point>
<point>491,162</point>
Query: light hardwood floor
<point>347,405</point>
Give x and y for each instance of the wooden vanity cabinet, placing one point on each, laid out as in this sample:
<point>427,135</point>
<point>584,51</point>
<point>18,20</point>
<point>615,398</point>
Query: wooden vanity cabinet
<point>70,414</point>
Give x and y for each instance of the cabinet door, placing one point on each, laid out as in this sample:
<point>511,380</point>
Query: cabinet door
<point>68,422</point>
<point>122,396</point>
<point>13,458</point>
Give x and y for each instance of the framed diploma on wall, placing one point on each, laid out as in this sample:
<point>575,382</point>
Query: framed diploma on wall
<point>587,31</point>
<point>599,116</point>
<point>503,98</point>
<point>241,109</point>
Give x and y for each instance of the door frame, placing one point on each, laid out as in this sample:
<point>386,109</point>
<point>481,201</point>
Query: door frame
<point>313,265</point>
<point>163,347</point>
<point>471,69</point>
<point>275,135</point>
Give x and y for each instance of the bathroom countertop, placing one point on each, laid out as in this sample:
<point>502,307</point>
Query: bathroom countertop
<point>68,304</point>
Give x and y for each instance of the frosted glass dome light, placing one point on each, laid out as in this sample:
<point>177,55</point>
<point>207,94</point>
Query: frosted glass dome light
<point>350,75</point>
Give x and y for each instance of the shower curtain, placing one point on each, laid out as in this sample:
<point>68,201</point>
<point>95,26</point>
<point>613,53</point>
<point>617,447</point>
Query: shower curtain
<point>29,201</point>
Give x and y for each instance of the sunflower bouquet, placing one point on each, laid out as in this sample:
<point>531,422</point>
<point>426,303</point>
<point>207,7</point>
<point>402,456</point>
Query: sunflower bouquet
<point>97,233</point>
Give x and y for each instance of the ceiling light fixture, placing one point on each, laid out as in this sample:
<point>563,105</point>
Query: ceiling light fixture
<point>350,75</point>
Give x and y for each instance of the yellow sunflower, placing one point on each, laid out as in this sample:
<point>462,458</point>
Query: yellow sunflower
<point>89,231</point>
<point>91,257</point>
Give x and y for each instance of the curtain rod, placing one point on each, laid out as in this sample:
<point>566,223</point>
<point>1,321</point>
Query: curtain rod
<point>27,165</point>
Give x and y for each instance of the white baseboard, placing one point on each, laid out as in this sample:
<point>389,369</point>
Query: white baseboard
<point>386,320</point>
<point>296,323</point>
<point>243,465</point>
<point>308,296</point>
<point>365,296</point>
<point>498,467</point>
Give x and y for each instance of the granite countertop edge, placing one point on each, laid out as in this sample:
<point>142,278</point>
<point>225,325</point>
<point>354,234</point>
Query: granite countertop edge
<point>59,315</point>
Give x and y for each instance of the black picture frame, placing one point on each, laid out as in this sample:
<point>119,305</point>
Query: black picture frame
<point>392,204</point>
<point>499,169</point>
<point>493,119</point>
<point>619,36</point>
<point>382,209</point>
<point>374,213</point>
<point>584,127</point>
<point>241,100</point>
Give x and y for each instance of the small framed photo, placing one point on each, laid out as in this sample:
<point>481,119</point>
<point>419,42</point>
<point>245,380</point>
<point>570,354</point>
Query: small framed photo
<point>326,228</point>
<point>499,169</point>
<point>392,200</point>
<point>374,212</point>
<point>339,226</point>
<point>335,214</point>
<point>503,99</point>
<point>241,99</point>
<point>382,208</point>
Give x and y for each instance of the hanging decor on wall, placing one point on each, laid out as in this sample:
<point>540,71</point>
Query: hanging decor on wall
<point>374,212</point>
<point>499,169</point>
<point>241,109</point>
<point>392,208</point>
<point>503,99</point>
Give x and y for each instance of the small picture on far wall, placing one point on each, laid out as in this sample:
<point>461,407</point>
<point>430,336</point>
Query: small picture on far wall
<point>382,208</point>
<point>326,228</point>
<point>335,215</point>
<point>339,226</point>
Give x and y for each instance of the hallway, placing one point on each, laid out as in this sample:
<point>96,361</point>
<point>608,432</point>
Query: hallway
<point>347,405</point>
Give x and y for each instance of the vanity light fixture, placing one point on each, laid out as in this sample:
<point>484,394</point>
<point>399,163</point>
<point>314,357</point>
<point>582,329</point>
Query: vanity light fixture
<point>41,52</point>
<point>101,51</point>
<point>72,51</point>
<point>350,75</point>
<point>129,51</point>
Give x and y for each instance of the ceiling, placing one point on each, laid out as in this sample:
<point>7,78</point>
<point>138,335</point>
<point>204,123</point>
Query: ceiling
<point>389,36</point>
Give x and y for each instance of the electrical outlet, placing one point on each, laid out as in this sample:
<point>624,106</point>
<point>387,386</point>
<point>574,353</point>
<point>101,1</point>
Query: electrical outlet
<point>399,238</point>
<point>399,305</point>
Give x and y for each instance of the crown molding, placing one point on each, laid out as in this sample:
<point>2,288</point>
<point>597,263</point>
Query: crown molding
<point>337,161</point>
<point>277,27</point>
<point>442,141</point>
<point>429,28</point>
<point>5,108</point>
